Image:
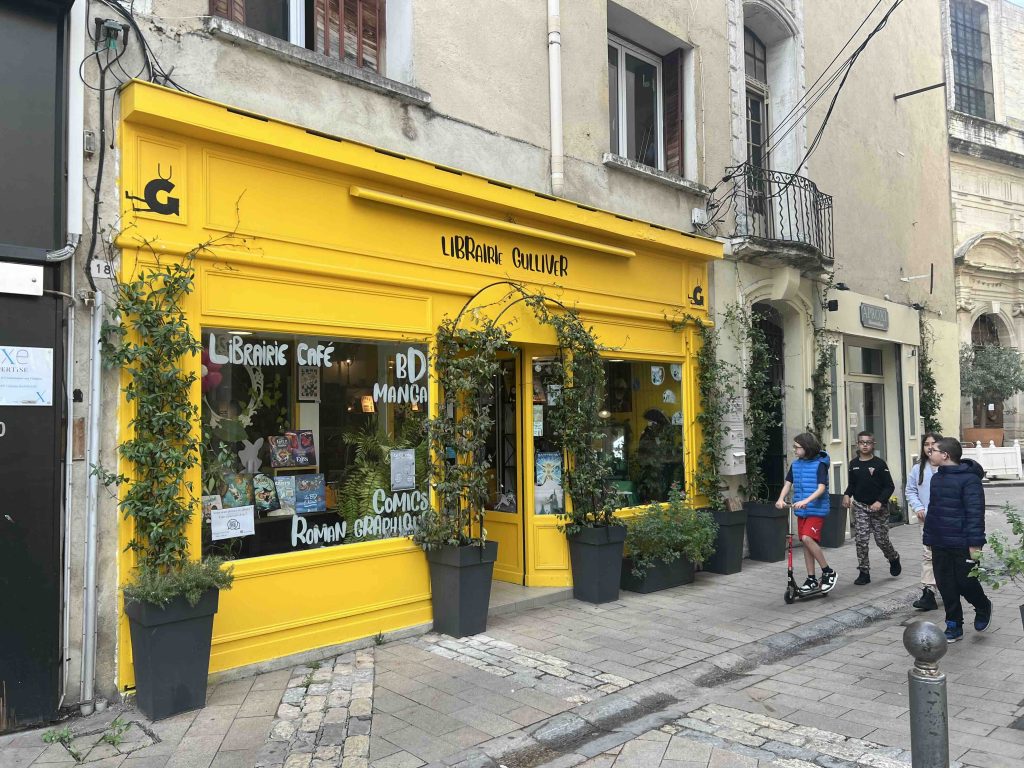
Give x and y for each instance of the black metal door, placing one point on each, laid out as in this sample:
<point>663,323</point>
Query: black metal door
<point>30,528</point>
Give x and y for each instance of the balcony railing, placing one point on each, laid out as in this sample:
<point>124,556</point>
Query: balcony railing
<point>777,212</point>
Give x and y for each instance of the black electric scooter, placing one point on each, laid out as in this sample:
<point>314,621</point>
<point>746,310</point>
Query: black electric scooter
<point>793,592</point>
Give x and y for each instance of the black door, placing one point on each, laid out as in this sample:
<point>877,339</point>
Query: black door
<point>31,446</point>
<point>773,466</point>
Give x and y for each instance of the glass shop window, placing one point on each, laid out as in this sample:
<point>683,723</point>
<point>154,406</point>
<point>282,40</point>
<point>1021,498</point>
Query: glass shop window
<point>643,433</point>
<point>310,441</point>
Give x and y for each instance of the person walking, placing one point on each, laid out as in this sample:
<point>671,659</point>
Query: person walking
<point>955,530</point>
<point>808,479</point>
<point>919,480</point>
<point>868,492</point>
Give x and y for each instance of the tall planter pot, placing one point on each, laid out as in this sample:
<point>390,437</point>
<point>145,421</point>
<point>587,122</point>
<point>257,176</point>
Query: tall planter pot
<point>596,558</point>
<point>659,576</point>
<point>460,586</point>
<point>728,557</point>
<point>171,652</point>
<point>833,533</point>
<point>766,531</point>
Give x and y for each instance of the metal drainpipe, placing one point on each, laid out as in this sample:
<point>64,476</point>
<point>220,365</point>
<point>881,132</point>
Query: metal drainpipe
<point>555,94</point>
<point>76,125</point>
<point>89,598</point>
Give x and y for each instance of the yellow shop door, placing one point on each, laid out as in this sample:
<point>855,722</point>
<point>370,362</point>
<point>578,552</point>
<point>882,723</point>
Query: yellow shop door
<point>504,517</point>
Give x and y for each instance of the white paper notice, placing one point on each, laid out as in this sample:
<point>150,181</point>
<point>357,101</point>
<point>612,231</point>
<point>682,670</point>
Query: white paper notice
<point>538,421</point>
<point>232,523</point>
<point>26,375</point>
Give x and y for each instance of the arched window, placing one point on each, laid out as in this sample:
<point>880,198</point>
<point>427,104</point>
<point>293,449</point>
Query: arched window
<point>984,331</point>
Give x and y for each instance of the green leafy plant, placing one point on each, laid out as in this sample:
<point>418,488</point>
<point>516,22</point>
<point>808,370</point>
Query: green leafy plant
<point>718,395</point>
<point>821,385</point>
<point>378,639</point>
<point>990,373</point>
<point>114,735</point>
<point>148,337</point>
<point>665,532</point>
<point>64,736</point>
<point>1002,560</point>
<point>930,398</point>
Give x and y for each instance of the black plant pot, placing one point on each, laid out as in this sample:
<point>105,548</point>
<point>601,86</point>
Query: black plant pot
<point>728,557</point>
<point>596,558</point>
<point>460,586</point>
<point>766,531</point>
<point>659,576</point>
<point>171,652</point>
<point>833,533</point>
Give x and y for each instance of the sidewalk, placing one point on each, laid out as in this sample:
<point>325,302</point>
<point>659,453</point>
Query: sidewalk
<point>551,683</point>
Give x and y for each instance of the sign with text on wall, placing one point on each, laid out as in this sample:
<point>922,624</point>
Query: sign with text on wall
<point>26,375</point>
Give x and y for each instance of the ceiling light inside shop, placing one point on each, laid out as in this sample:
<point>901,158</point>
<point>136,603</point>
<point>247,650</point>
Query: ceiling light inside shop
<point>240,333</point>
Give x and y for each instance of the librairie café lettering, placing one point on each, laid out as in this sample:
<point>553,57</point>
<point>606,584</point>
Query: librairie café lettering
<point>466,248</point>
<point>410,366</point>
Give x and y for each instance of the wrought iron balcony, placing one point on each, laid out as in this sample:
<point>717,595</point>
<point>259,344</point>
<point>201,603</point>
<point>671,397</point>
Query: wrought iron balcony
<point>779,217</point>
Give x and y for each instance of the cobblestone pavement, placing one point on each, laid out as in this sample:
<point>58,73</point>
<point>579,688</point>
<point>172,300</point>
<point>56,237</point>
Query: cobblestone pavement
<point>718,673</point>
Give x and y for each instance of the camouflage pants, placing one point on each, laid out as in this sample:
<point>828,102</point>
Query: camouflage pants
<point>867,523</point>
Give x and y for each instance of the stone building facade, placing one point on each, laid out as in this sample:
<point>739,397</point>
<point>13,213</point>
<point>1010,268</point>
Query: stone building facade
<point>472,89</point>
<point>984,67</point>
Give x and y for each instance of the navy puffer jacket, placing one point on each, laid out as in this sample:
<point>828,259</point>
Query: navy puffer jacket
<point>956,507</point>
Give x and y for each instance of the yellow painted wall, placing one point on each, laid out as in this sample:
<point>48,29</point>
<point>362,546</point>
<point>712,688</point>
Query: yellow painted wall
<point>308,234</point>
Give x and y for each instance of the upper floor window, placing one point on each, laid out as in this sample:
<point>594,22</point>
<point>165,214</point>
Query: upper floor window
<point>349,30</point>
<point>755,57</point>
<point>645,105</point>
<point>972,59</point>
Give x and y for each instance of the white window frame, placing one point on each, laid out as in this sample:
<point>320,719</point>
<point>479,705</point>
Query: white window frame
<point>297,22</point>
<point>623,47</point>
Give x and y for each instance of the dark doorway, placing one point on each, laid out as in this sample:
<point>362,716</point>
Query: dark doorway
<point>773,466</point>
<point>987,415</point>
<point>31,438</point>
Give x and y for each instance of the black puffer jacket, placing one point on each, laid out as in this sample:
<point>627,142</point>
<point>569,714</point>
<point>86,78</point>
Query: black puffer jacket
<point>956,507</point>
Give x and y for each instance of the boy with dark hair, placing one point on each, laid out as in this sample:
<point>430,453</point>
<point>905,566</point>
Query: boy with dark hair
<point>955,530</point>
<point>868,493</point>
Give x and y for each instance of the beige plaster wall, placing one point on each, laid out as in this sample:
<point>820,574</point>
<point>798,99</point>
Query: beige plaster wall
<point>885,162</point>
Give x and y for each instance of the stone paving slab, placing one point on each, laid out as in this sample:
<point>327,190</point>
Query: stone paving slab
<point>596,678</point>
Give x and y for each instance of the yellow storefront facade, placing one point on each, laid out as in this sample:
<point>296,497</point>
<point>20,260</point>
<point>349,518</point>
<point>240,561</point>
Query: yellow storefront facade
<point>323,268</point>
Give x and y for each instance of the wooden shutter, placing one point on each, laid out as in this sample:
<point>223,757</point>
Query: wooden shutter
<point>672,72</point>
<point>351,30</point>
<point>232,10</point>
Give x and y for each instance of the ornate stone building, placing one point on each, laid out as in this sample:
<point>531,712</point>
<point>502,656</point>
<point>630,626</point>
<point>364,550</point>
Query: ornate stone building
<point>985,95</point>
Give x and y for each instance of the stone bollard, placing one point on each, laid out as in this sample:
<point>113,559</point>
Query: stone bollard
<point>929,713</point>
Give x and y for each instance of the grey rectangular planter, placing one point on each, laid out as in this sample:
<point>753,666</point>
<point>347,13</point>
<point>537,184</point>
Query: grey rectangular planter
<point>833,533</point>
<point>171,654</point>
<point>460,587</point>
<point>659,576</point>
<point>596,558</point>
<point>766,531</point>
<point>728,557</point>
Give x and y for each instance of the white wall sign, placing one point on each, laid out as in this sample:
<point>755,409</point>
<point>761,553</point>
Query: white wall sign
<point>232,523</point>
<point>26,375</point>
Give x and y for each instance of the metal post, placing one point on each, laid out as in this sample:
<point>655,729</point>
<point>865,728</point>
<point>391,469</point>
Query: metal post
<point>929,713</point>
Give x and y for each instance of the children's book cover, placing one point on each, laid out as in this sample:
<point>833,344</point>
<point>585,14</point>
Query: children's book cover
<point>310,494</point>
<point>285,494</point>
<point>238,490</point>
<point>265,492</point>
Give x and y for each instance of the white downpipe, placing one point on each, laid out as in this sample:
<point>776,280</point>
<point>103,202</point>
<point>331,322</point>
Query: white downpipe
<point>93,457</point>
<point>76,125</point>
<point>555,93</point>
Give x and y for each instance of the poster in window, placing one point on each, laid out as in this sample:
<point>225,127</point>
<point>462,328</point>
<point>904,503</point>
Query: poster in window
<point>285,495</point>
<point>309,384</point>
<point>549,498</point>
<point>403,469</point>
<point>232,523</point>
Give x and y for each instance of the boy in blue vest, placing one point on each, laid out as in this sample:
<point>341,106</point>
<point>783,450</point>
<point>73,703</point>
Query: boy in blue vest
<point>808,479</point>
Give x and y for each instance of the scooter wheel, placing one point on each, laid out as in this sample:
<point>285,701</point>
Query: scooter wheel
<point>790,596</point>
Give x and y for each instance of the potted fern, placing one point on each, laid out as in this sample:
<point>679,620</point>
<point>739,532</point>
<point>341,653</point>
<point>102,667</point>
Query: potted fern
<point>170,599</point>
<point>1002,560</point>
<point>452,533</point>
<point>664,544</point>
